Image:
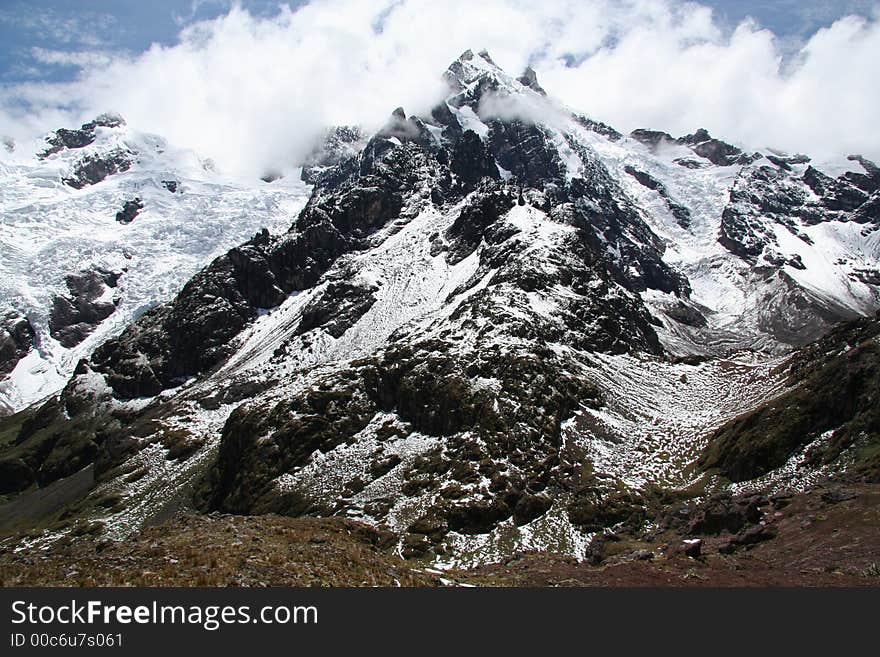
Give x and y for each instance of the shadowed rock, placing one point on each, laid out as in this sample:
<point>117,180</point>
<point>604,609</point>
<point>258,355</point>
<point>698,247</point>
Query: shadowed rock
<point>85,135</point>
<point>76,315</point>
<point>130,210</point>
<point>16,340</point>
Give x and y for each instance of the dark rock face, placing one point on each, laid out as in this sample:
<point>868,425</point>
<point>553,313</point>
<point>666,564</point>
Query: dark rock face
<point>57,439</point>
<point>171,185</point>
<point>472,161</point>
<point>64,138</point>
<point>685,314</point>
<point>619,327</point>
<point>130,210</point>
<point>599,128</point>
<point>681,213</point>
<point>848,193</point>
<point>530,79</point>
<point>837,195</point>
<point>73,317</point>
<point>689,163</point>
<point>481,212</point>
<point>16,340</point>
<point>442,116</point>
<point>701,143</point>
<point>455,75</point>
<point>652,138</point>
<point>92,169</point>
<point>524,150</point>
<point>15,476</point>
<point>241,479</point>
<point>716,151</point>
<point>337,309</point>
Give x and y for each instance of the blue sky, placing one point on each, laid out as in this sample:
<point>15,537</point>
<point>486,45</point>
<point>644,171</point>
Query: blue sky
<point>34,32</point>
<point>29,27</point>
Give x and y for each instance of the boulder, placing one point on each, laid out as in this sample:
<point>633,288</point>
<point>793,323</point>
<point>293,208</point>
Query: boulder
<point>130,210</point>
<point>16,340</point>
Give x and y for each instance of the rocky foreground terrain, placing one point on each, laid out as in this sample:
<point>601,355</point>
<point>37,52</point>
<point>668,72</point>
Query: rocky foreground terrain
<point>497,343</point>
<point>827,537</point>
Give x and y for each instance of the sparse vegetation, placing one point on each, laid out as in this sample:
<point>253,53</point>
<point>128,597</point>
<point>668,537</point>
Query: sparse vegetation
<point>873,570</point>
<point>837,382</point>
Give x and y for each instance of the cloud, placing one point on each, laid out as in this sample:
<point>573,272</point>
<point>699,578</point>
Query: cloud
<point>79,28</point>
<point>185,18</point>
<point>681,77</point>
<point>529,108</point>
<point>253,92</point>
<point>78,58</point>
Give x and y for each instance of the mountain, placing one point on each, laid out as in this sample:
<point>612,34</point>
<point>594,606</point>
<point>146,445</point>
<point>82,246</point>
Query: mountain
<point>102,225</point>
<point>502,326</point>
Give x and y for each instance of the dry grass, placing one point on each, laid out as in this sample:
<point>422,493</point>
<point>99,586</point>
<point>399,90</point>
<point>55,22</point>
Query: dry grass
<point>195,550</point>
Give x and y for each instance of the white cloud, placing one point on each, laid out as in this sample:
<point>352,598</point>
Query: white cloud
<point>79,58</point>
<point>253,92</point>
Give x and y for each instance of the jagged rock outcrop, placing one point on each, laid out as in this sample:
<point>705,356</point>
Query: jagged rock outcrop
<point>529,79</point>
<point>524,150</point>
<point>700,142</point>
<point>598,127</point>
<point>765,196</point>
<point>76,315</point>
<point>16,339</point>
<point>94,168</point>
<point>85,135</point>
<point>652,138</point>
<point>716,151</point>
<point>130,210</point>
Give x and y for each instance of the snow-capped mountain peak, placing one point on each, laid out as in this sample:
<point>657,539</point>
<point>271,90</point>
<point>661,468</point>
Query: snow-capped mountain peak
<point>481,326</point>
